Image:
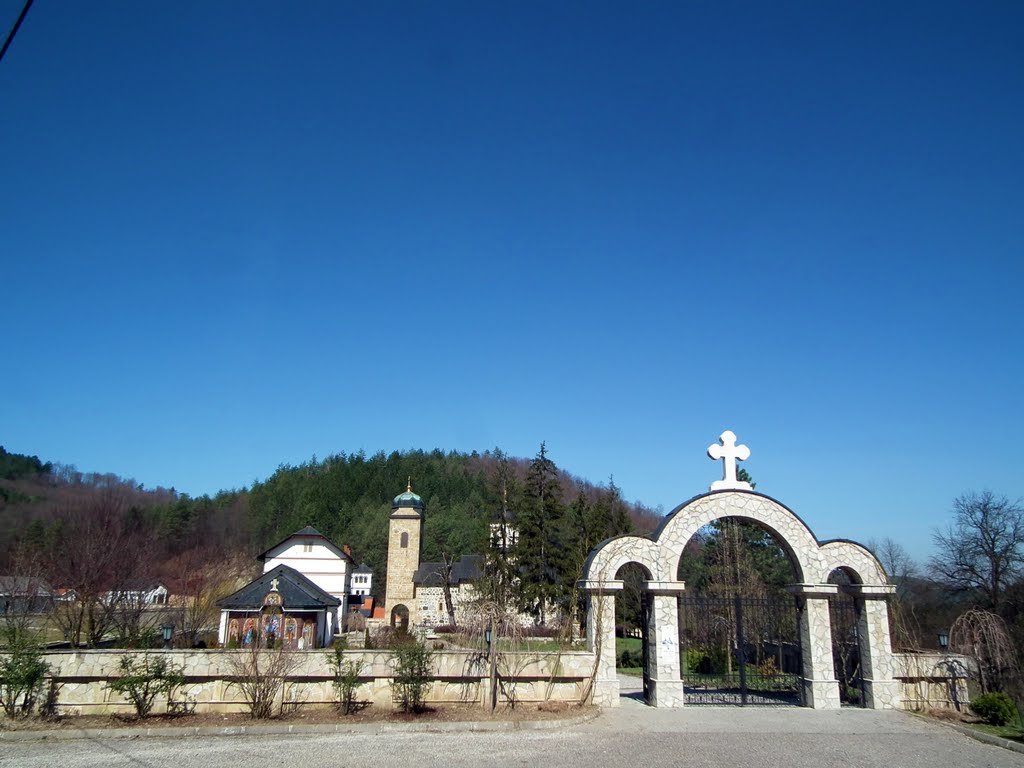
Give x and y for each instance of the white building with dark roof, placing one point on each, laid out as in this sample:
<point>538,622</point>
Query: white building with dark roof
<point>306,579</point>
<point>361,583</point>
<point>282,604</point>
<point>314,556</point>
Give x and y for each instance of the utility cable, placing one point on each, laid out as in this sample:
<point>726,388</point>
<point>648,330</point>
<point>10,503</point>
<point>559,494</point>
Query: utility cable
<point>14,29</point>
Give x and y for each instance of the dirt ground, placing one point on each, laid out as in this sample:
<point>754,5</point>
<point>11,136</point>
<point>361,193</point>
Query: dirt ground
<point>365,715</point>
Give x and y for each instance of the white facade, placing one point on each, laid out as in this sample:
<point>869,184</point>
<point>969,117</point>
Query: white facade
<point>316,559</point>
<point>361,584</point>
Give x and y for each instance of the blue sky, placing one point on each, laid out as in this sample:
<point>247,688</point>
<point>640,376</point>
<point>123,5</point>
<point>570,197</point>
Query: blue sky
<point>234,235</point>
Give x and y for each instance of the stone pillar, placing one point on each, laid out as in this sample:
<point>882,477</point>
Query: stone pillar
<point>601,639</point>
<point>881,690</point>
<point>820,687</point>
<point>665,684</point>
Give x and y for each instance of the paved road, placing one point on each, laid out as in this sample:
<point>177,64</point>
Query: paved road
<point>633,735</point>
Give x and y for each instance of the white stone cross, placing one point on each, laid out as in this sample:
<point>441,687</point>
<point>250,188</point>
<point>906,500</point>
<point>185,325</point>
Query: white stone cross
<point>729,453</point>
<point>273,585</point>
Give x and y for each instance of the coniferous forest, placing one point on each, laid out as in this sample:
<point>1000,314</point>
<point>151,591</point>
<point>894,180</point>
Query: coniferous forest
<point>48,510</point>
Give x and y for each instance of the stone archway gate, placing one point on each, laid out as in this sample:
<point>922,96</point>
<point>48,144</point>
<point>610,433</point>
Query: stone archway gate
<point>813,561</point>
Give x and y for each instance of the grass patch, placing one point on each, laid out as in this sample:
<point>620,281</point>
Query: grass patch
<point>633,647</point>
<point>1010,732</point>
<point>627,644</point>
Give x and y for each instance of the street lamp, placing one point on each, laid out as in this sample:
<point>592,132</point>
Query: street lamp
<point>168,631</point>
<point>943,639</point>
<point>487,639</point>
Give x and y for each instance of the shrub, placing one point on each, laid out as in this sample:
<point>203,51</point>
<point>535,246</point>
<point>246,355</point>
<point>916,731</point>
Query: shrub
<point>412,676</point>
<point>346,677</point>
<point>631,658</point>
<point>260,673</point>
<point>22,671</point>
<point>142,681</point>
<point>995,708</point>
<point>696,659</point>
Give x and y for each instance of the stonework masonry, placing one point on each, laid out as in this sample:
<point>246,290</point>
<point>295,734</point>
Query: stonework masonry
<point>403,560</point>
<point>460,678</point>
<point>659,555</point>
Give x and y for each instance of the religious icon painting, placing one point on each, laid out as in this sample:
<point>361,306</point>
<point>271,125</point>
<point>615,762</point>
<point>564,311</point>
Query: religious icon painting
<point>308,630</point>
<point>291,632</point>
<point>233,630</point>
<point>248,631</point>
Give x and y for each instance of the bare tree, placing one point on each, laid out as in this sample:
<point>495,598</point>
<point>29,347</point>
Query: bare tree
<point>259,673</point>
<point>982,550</point>
<point>983,637</point>
<point>444,572</point>
<point>200,577</point>
<point>899,565</point>
<point>100,548</point>
<point>901,569</point>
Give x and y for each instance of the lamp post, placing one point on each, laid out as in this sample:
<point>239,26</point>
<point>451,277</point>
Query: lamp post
<point>943,640</point>
<point>487,639</point>
<point>168,632</point>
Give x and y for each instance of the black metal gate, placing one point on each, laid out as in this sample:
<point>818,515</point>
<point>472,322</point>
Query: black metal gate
<point>740,650</point>
<point>844,616</point>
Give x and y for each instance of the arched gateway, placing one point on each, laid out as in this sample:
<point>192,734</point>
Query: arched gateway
<point>659,555</point>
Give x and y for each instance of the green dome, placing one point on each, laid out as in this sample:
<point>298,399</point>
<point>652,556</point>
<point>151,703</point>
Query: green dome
<point>407,499</point>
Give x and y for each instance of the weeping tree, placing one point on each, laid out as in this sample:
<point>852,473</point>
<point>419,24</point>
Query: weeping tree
<point>983,637</point>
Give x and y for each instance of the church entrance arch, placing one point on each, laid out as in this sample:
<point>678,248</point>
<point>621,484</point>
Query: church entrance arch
<point>738,625</point>
<point>812,561</point>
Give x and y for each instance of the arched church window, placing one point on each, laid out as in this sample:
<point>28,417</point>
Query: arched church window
<point>405,540</point>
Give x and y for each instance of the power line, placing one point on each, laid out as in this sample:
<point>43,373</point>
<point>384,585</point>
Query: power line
<point>14,29</point>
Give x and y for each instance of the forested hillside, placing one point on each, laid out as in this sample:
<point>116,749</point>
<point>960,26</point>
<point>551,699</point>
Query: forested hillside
<point>347,497</point>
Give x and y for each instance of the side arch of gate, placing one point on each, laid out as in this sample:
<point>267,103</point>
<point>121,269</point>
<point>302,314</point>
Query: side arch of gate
<point>660,553</point>
<point>662,674</point>
<point>870,590</point>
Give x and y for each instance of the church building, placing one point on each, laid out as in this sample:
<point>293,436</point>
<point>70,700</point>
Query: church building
<point>415,590</point>
<point>306,584</point>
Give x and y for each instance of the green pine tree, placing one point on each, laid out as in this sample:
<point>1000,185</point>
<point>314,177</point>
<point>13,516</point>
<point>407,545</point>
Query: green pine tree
<point>540,553</point>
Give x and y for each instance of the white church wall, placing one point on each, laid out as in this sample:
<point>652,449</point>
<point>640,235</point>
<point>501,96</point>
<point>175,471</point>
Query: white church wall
<point>314,560</point>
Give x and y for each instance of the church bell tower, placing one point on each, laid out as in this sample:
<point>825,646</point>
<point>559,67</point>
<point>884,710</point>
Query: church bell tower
<point>404,541</point>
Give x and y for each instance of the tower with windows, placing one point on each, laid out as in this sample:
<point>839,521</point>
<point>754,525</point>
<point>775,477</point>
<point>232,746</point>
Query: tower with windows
<point>404,541</point>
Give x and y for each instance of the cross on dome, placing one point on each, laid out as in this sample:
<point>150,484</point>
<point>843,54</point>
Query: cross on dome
<point>729,453</point>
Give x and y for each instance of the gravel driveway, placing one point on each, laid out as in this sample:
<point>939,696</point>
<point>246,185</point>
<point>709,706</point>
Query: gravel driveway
<point>631,735</point>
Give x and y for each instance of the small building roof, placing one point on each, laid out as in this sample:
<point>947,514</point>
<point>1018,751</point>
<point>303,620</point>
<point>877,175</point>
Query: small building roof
<point>362,568</point>
<point>469,568</point>
<point>297,592</point>
<point>24,585</point>
<point>309,532</point>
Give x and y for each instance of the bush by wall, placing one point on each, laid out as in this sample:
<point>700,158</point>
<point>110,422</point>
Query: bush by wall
<point>995,708</point>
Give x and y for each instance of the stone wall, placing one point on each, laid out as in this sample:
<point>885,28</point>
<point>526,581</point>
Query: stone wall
<point>932,680</point>
<point>461,678</point>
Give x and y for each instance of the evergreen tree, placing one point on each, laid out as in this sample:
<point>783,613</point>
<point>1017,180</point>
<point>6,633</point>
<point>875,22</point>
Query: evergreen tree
<point>540,553</point>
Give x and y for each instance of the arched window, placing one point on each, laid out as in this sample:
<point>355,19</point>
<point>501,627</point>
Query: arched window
<point>405,540</point>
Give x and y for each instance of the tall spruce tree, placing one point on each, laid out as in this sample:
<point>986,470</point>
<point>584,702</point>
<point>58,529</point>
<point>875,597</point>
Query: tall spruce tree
<point>540,553</point>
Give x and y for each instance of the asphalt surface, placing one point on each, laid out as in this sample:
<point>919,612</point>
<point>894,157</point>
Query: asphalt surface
<point>631,735</point>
